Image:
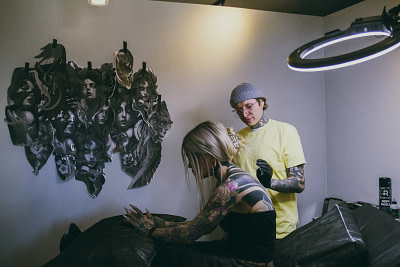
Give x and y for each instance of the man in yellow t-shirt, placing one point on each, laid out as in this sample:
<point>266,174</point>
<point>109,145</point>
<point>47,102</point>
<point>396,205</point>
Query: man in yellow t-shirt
<point>276,149</point>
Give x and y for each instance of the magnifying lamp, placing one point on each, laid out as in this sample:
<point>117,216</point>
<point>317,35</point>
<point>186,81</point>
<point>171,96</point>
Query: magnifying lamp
<point>385,25</point>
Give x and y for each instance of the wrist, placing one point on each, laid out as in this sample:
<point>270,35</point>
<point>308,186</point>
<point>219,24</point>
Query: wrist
<point>151,231</point>
<point>158,222</point>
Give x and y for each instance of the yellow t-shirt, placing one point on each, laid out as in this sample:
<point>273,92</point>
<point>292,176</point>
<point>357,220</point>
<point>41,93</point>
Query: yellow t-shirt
<point>279,144</point>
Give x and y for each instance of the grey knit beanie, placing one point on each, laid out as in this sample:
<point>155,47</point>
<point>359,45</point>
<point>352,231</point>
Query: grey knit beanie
<point>245,91</point>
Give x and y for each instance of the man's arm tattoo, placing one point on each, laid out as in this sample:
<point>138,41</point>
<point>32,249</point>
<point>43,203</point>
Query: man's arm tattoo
<point>295,183</point>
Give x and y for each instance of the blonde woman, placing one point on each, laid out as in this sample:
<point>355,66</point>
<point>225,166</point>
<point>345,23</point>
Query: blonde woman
<point>239,204</point>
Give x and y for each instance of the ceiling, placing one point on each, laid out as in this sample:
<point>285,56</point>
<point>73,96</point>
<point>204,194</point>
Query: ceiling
<point>304,7</point>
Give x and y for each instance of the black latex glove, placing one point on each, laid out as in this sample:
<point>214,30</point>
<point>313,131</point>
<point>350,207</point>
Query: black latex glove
<point>264,173</point>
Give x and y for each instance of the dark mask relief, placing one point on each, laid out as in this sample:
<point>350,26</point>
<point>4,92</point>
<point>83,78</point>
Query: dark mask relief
<point>82,116</point>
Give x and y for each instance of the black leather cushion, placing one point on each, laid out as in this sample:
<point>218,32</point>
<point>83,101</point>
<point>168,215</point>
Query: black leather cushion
<point>333,239</point>
<point>381,233</point>
<point>109,242</point>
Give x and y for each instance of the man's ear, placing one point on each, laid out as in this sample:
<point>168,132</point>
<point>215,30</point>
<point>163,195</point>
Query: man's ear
<point>263,103</point>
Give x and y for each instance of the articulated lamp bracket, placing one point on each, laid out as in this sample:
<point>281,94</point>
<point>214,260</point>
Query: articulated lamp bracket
<point>385,25</point>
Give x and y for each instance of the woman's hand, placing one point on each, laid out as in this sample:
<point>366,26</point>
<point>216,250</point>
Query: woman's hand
<point>157,221</point>
<point>142,223</point>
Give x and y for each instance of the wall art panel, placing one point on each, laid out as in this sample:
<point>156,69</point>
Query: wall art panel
<point>84,115</point>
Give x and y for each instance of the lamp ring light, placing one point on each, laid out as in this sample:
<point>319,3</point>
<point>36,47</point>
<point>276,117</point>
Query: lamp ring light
<point>385,25</point>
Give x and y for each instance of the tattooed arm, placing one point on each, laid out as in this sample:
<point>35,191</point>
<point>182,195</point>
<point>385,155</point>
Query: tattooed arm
<point>295,183</point>
<point>221,201</point>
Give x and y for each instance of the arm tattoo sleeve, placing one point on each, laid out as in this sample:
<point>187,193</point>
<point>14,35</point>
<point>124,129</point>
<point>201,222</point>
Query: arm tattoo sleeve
<point>217,207</point>
<point>295,183</point>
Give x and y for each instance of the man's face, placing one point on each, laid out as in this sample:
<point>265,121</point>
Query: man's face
<point>250,111</point>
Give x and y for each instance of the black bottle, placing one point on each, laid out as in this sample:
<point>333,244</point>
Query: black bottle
<point>385,194</point>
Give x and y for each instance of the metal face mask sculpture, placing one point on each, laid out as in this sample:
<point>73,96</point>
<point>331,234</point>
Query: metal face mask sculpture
<point>84,115</point>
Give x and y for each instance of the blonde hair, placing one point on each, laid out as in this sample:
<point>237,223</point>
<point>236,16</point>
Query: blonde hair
<point>207,138</point>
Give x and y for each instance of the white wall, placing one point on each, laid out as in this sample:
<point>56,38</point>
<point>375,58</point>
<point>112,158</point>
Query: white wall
<point>363,125</point>
<point>199,54</point>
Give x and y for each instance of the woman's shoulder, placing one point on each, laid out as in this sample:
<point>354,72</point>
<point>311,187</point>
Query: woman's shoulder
<point>238,176</point>
<point>234,171</point>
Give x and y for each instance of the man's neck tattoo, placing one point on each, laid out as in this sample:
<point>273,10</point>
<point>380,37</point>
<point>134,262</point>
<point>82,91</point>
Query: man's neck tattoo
<point>262,122</point>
